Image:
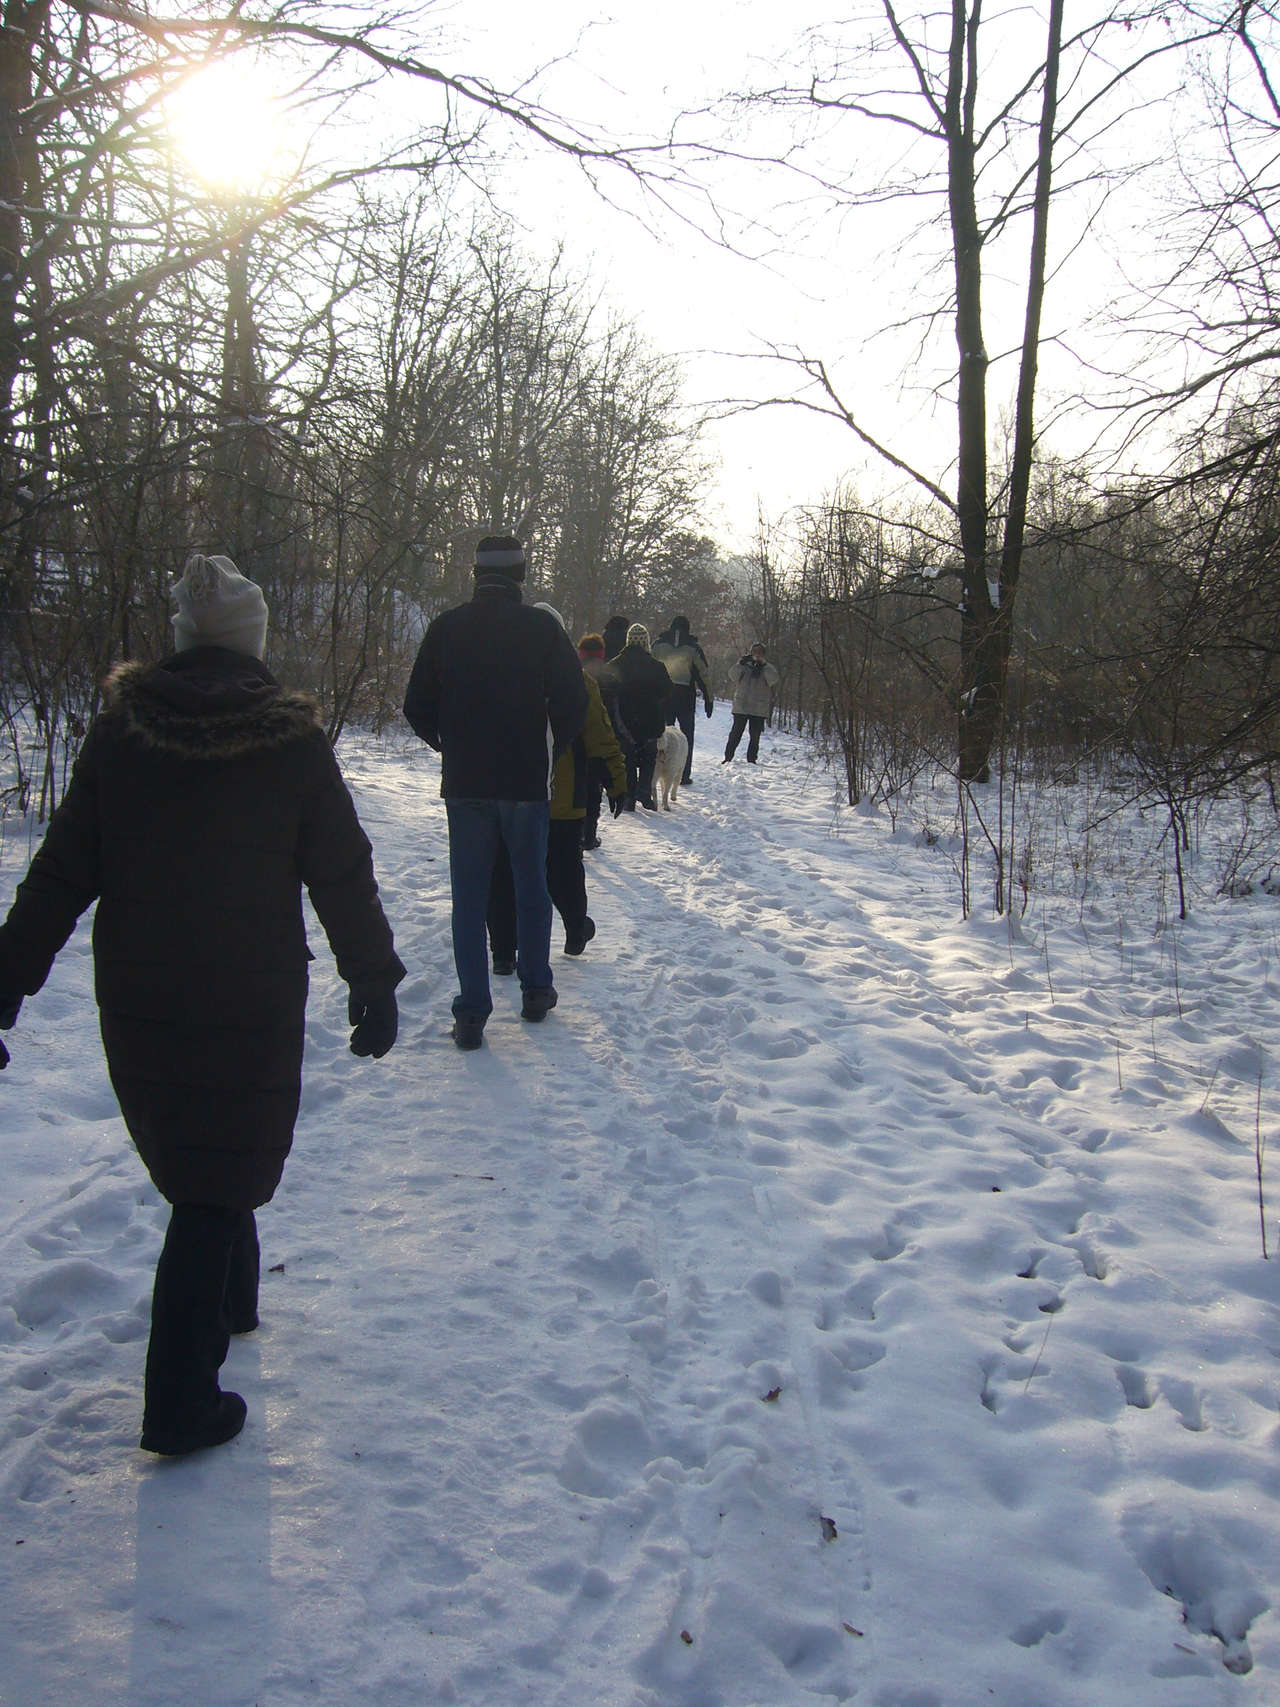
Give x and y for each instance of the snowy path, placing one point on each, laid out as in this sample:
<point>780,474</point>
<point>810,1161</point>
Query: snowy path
<point>832,1301</point>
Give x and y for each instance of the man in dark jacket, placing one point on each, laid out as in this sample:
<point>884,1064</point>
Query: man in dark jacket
<point>640,689</point>
<point>202,800</point>
<point>686,663</point>
<point>497,690</point>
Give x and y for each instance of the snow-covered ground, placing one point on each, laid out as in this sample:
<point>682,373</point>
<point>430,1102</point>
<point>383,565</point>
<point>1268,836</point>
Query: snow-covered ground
<point>834,1300</point>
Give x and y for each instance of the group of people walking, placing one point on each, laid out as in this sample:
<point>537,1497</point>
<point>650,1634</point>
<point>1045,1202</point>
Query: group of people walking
<point>206,796</point>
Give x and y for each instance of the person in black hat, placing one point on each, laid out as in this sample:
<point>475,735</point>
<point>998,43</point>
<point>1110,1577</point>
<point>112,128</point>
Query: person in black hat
<point>497,690</point>
<point>686,664</point>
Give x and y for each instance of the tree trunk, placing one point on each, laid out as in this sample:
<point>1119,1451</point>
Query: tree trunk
<point>986,624</point>
<point>978,706</point>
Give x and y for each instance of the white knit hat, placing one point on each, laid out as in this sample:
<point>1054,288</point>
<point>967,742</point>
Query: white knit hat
<point>217,606</point>
<point>638,635</point>
<point>550,610</point>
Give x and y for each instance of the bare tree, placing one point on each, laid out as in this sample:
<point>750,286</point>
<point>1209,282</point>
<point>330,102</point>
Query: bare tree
<point>996,122</point>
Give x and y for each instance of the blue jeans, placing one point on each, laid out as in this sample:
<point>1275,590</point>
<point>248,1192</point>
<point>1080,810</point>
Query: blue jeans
<point>475,829</point>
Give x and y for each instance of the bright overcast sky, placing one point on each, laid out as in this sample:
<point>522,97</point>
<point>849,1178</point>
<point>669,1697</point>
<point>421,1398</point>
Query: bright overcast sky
<point>626,71</point>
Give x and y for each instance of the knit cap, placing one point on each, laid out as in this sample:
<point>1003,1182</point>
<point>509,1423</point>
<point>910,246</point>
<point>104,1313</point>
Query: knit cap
<point>500,554</point>
<point>218,606</point>
<point>638,635</point>
<point>550,610</point>
<point>591,646</point>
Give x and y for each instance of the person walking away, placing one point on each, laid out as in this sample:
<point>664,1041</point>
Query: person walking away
<point>752,702</point>
<point>686,664</point>
<point>566,876</point>
<point>642,689</point>
<point>615,639</point>
<point>591,657</point>
<point>497,690</point>
<point>203,799</point>
<point>615,636</point>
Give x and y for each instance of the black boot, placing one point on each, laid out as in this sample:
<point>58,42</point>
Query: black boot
<point>185,1410</point>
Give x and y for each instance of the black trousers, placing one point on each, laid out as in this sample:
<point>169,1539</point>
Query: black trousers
<point>206,1289</point>
<point>566,881</point>
<point>642,756</point>
<point>740,721</point>
<point>684,703</point>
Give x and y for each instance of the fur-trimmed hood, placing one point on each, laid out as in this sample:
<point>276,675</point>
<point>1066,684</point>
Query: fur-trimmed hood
<point>208,703</point>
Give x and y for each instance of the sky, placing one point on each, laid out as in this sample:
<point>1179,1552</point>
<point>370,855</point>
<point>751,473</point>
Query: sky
<point>717,305</point>
<point>777,264</point>
<point>795,274</point>
<point>834,1300</point>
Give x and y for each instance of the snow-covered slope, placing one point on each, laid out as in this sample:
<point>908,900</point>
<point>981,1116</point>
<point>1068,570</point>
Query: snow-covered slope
<point>833,1300</point>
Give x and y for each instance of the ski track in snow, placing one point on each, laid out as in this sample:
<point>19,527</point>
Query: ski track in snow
<point>831,1301</point>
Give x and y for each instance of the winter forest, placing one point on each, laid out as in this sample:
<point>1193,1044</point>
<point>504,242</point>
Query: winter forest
<point>344,360</point>
<point>884,1216</point>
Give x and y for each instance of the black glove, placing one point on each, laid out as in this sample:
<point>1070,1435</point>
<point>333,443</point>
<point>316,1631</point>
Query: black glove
<point>372,1010</point>
<point>616,803</point>
<point>9,1006</point>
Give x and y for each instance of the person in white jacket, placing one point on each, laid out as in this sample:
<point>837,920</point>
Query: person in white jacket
<point>752,702</point>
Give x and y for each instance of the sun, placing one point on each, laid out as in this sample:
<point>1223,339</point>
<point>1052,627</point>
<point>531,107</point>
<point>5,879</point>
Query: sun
<point>228,124</point>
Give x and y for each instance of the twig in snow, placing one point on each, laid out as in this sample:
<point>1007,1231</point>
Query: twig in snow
<point>1212,1082</point>
<point>1259,1153</point>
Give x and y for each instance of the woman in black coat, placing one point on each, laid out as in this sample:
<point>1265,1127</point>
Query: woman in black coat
<point>640,690</point>
<point>203,798</point>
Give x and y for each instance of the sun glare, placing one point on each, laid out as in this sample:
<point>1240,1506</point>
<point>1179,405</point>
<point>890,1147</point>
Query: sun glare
<point>228,125</point>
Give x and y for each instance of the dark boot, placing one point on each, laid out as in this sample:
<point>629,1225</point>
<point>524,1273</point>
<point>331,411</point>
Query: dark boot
<point>577,939</point>
<point>185,1409</point>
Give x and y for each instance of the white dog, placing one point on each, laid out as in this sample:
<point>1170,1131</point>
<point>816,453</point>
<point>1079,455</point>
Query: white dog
<point>673,750</point>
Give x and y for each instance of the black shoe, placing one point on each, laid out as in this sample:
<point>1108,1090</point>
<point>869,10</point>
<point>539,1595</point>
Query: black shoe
<point>537,1004</point>
<point>576,941</point>
<point>248,1326</point>
<point>727,759</point>
<point>591,844</point>
<point>503,966</point>
<point>649,803</point>
<point>468,1030</point>
<point>222,1422</point>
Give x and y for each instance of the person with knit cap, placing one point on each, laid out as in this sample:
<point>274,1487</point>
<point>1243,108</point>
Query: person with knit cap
<point>566,876</point>
<point>203,799</point>
<point>641,689</point>
<point>686,663</point>
<point>497,690</point>
<point>615,635</point>
<point>217,606</point>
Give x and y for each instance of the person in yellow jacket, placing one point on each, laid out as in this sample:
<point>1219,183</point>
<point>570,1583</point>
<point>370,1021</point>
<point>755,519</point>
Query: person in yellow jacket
<point>566,874</point>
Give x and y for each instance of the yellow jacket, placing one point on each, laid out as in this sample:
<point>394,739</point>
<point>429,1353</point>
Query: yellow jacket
<point>597,741</point>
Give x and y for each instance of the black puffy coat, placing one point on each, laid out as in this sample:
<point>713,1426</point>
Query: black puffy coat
<point>203,799</point>
<point>497,690</point>
<point>641,689</point>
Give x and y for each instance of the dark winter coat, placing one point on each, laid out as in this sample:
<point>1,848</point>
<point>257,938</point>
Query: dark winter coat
<point>203,799</point>
<point>597,743</point>
<point>641,689</point>
<point>497,690</point>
